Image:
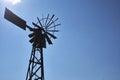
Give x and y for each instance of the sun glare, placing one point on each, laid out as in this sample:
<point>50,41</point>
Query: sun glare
<point>14,2</point>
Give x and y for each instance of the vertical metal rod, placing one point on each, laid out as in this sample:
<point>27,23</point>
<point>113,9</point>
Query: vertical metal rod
<point>28,73</point>
<point>33,58</point>
<point>42,64</point>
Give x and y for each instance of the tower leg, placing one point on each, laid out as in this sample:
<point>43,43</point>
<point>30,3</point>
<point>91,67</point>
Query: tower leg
<point>35,67</point>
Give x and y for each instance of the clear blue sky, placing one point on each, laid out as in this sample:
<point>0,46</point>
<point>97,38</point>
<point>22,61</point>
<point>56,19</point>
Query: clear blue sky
<point>88,44</point>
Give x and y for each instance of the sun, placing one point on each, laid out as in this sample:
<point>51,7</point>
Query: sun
<point>14,2</point>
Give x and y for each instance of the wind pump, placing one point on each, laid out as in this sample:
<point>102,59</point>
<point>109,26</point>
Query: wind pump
<point>42,32</point>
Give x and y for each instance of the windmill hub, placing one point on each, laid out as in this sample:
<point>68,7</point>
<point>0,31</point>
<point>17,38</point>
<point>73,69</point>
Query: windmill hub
<point>38,38</point>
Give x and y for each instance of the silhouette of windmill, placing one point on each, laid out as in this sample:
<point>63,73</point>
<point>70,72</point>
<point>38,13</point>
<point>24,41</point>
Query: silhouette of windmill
<point>42,32</point>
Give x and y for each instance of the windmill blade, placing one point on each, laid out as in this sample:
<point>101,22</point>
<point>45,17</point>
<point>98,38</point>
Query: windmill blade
<point>47,19</point>
<point>48,39</point>
<point>53,30</point>
<point>50,19</point>
<point>54,26</point>
<point>52,22</point>
<point>56,19</point>
<point>31,35</point>
<point>54,37</point>
<point>39,22</point>
<point>32,40</point>
<point>36,25</point>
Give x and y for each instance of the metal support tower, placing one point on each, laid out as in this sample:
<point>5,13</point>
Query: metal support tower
<point>36,66</point>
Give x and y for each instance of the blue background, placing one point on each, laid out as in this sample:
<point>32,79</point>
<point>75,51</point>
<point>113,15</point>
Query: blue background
<point>88,44</point>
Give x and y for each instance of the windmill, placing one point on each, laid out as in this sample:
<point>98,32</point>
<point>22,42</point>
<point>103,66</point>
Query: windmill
<point>42,32</point>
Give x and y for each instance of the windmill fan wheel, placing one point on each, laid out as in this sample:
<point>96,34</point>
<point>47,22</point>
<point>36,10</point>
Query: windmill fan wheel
<point>45,30</point>
<point>48,24</point>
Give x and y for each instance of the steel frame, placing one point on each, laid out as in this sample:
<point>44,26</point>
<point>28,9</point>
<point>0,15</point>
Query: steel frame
<point>36,66</point>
